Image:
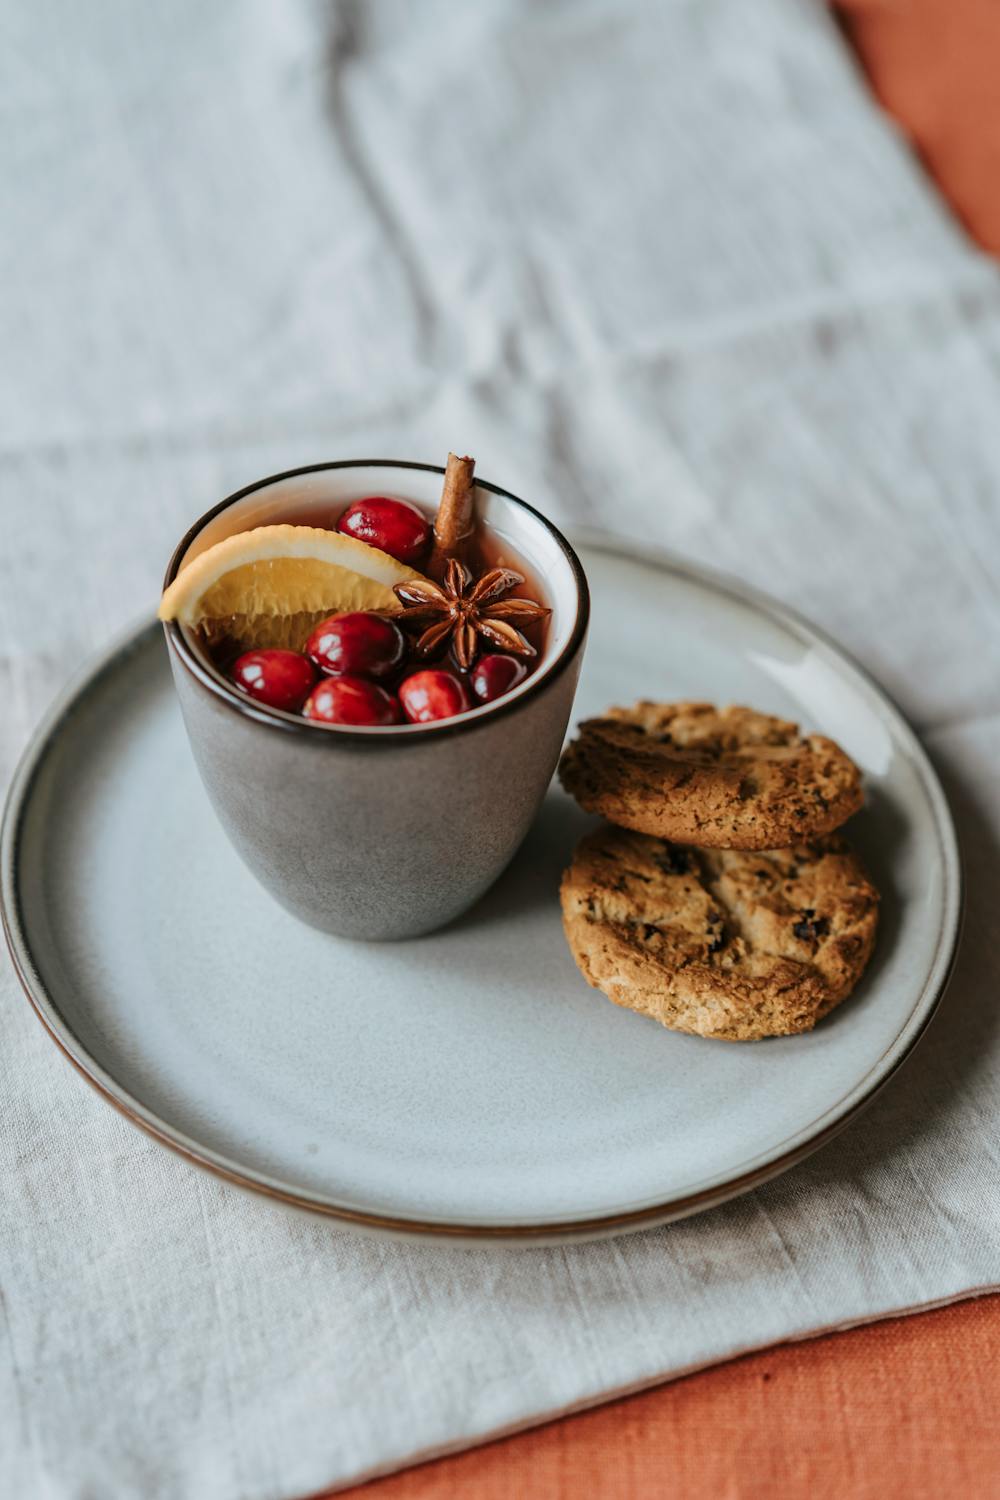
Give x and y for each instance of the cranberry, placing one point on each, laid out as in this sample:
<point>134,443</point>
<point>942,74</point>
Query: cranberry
<point>351,700</point>
<point>281,679</point>
<point>432,694</point>
<point>492,676</point>
<point>394,526</point>
<point>360,644</point>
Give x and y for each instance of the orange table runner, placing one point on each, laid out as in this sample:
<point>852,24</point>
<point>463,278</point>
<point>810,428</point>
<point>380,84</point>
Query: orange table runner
<point>905,1408</point>
<point>935,65</point>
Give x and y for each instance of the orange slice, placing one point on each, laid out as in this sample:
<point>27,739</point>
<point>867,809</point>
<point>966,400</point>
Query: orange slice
<point>272,585</point>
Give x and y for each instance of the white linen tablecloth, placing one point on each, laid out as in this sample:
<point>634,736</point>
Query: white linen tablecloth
<point>662,267</point>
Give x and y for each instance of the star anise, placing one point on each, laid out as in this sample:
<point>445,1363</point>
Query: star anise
<point>465,608</point>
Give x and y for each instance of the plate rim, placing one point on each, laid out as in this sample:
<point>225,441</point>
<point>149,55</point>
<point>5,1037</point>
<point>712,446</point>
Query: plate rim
<point>536,1232</point>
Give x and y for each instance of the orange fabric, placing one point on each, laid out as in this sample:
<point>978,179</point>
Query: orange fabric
<point>935,65</point>
<point>904,1410</point>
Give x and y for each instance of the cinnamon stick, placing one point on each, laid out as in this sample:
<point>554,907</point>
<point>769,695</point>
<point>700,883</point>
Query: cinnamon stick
<point>453,523</point>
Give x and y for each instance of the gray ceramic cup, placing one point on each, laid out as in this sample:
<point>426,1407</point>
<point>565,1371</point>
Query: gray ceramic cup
<point>381,833</point>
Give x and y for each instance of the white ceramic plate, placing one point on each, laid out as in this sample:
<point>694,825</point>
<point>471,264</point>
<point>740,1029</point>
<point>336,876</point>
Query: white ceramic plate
<point>469,1083</point>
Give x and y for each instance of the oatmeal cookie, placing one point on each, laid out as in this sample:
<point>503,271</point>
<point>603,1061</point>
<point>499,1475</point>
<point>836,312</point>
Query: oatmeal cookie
<point>725,778</point>
<point>719,942</point>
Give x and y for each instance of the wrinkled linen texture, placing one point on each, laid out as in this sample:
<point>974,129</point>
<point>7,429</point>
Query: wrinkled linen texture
<point>665,269</point>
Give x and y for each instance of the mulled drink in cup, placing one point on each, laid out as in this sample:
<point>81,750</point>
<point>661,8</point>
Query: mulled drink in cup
<point>376,671</point>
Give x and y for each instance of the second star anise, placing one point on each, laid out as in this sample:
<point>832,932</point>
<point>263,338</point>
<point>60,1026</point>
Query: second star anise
<point>464,608</point>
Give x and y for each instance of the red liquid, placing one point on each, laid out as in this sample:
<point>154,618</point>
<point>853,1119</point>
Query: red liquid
<point>483,550</point>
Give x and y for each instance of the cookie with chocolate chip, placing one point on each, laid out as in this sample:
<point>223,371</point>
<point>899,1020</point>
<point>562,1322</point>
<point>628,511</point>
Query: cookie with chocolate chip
<point>719,942</point>
<point>727,778</point>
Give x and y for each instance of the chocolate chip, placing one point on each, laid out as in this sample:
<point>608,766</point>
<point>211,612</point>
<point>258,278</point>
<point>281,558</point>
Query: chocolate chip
<point>649,930</point>
<point>673,860</point>
<point>810,927</point>
<point>717,938</point>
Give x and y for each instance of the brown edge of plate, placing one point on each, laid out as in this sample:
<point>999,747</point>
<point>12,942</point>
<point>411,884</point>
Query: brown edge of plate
<point>543,1233</point>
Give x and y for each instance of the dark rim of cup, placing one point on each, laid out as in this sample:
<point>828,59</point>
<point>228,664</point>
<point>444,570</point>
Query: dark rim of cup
<point>341,734</point>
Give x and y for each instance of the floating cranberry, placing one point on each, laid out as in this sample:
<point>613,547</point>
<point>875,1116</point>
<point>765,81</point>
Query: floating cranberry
<point>281,679</point>
<point>358,644</point>
<point>494,675</point>
<point>432,694</point>
<point>394,526</point>
<point>351,700</point>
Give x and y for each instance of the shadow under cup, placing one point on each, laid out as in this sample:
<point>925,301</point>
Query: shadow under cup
<point>392,832</point>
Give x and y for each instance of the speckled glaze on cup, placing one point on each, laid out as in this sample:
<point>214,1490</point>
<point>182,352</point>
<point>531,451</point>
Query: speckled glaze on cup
<point>381,833</point>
